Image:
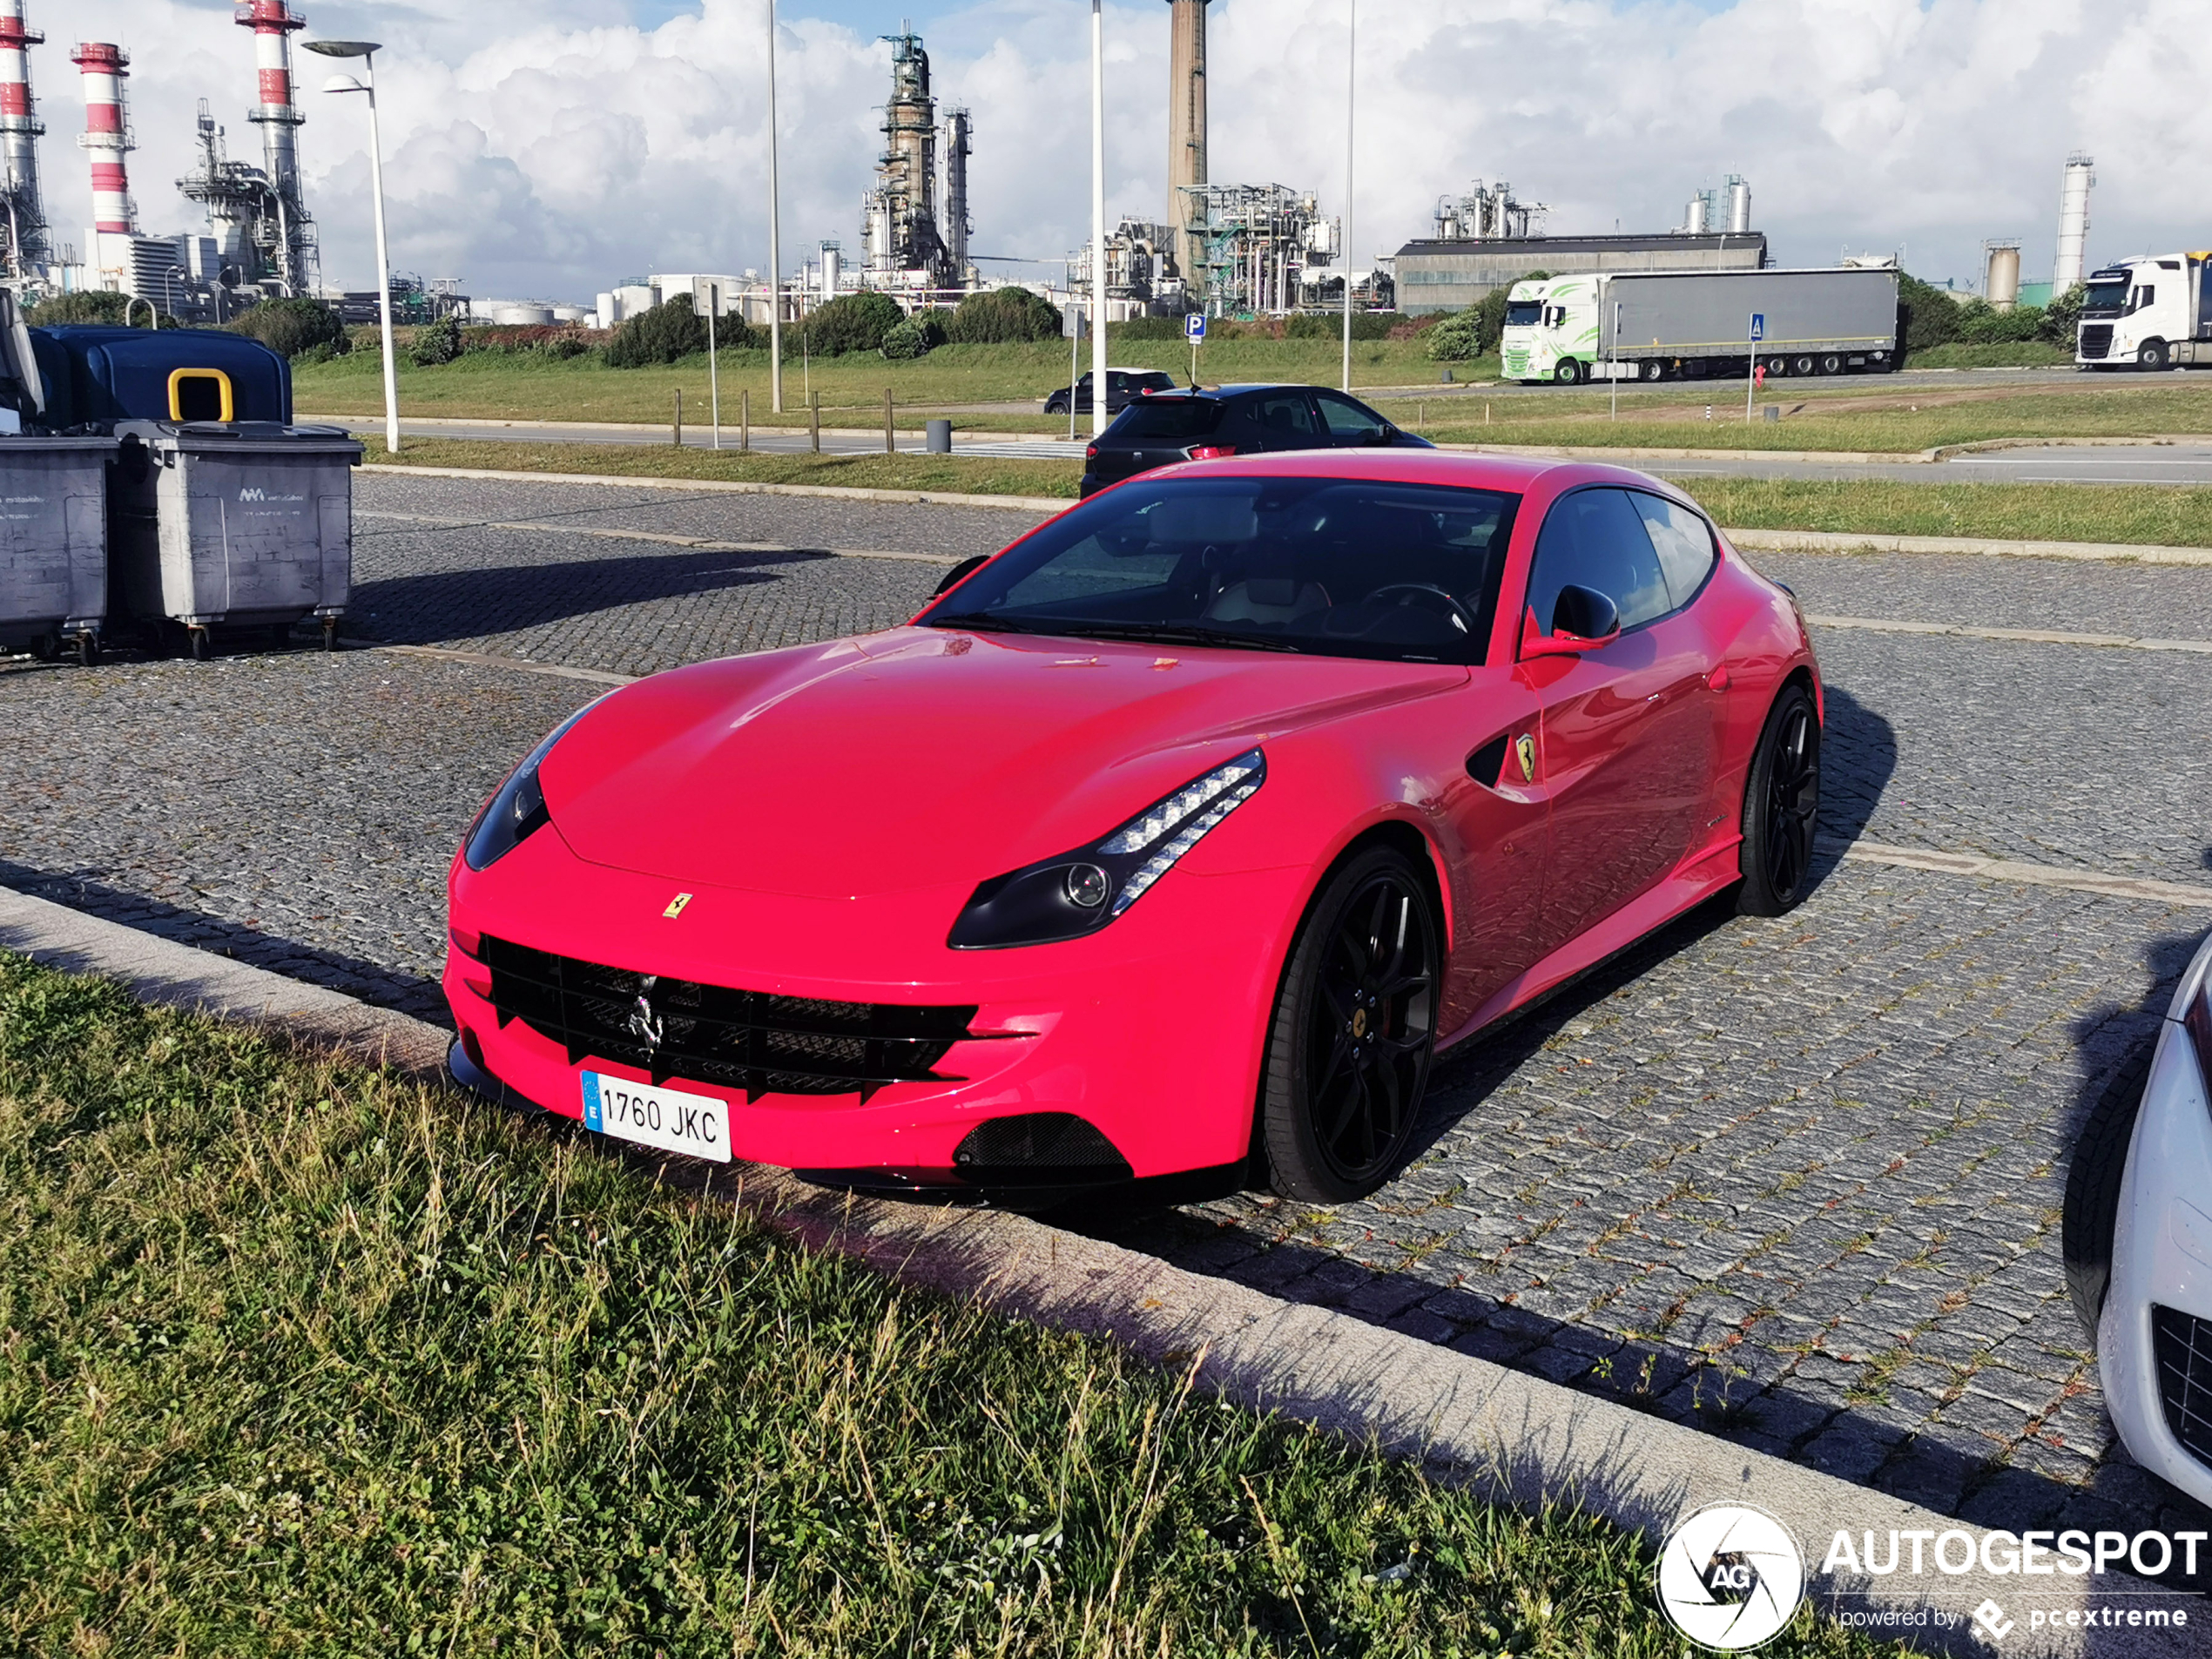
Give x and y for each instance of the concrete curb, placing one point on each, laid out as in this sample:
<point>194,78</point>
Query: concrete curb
<point>1513,1436</point>
<point>1768,541</point>
<point>1850,542</point>
<point>374,424</point>
<point>728,487</point>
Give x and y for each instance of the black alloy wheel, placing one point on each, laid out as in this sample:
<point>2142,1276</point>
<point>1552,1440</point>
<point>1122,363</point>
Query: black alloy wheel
<point>1354,1031</point>
<point>1781,801</point>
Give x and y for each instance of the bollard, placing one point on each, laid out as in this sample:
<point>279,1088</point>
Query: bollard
<point>890,432</point>
<point>941,437</point>
<point>1774,411</point>
<point>679,417</point>
<point>745,422</point>
<point>814,422</point>
<point>1447,381</point>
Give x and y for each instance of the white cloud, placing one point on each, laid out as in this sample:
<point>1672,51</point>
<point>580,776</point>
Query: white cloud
<point>533,148</point>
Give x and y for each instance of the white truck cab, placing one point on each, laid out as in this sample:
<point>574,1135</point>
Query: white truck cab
<point>2151,313</point>
<point>1551,329</point>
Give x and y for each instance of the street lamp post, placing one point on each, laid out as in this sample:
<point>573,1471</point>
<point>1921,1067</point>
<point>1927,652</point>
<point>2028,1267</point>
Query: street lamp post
<point>1351,85</point>
<point>367,51</point>
<point>1097,224</point>
<point>775,247</point>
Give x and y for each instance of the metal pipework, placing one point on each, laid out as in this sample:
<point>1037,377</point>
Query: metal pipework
<point>20,130</point>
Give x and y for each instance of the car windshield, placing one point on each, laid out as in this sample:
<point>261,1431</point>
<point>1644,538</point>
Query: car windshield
<point>2105,296</point>
<point>1522,314</point>
<point>1330,566</point>
<point>1180,418</point>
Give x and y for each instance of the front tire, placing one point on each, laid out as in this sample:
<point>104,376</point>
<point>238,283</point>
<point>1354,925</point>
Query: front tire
<point>1780,800</point>
<point>1568,371</point>
<point>1354,1031</point>
<point>2153,355</point>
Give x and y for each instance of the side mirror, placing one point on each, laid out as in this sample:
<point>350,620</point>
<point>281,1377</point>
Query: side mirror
<point>1582,619</point>
<point>961,571</point>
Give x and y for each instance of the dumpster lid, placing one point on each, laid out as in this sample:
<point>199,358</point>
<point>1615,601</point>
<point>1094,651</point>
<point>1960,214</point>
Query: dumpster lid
<point>271,437</point>
<point>15,442</point>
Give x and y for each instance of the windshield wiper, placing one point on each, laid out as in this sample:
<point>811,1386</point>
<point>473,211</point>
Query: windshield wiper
<point>980,621</point>
<point>1176,633</point>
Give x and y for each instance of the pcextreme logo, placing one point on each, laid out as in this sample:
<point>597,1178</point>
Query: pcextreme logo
<point>1731,1576</point>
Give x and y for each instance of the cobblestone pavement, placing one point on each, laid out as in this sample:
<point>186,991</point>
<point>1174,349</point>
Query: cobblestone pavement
<point>1797,1180</point>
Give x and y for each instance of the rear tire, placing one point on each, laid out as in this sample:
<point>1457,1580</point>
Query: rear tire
<point>1655,370</point>
<point>1781,800</point>
<point>1831,364</point>
<point>1353,1034</point>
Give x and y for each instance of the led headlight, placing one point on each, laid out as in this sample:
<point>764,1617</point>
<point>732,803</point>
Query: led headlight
<point>1080,892</point>
<point>517,812</point>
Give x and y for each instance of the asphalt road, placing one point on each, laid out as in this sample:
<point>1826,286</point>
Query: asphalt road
<point>1795,1181</point>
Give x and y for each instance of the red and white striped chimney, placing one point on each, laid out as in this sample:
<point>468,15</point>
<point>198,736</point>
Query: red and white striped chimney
<point>273,22</point>
<point>107,136</point>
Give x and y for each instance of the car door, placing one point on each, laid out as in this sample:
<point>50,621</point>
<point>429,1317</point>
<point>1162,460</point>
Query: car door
<point>1351,424</point>
<point>1496,816</point>
<point>1286,419</point>
<point>1628,728</point>
<point>1083,395</point>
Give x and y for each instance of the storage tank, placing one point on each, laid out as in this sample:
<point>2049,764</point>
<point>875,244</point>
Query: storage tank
<point>832,267</point>
<point>2073,221</point>
<point>2001,274</point>
<point>523,315</point>
<point>1739,204</point>
<point>1694,217</point>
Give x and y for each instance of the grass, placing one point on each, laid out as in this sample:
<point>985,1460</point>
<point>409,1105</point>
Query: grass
<point>498,387</point>
<point>2139,514</point>
<point>932,472</point>
<point>299,1358</point>
<point>1831,415</point>
<point>2019,353</point>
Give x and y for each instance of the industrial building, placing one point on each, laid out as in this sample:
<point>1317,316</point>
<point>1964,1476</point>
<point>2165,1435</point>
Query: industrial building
<point>916,247</point>
<point>28,248</point>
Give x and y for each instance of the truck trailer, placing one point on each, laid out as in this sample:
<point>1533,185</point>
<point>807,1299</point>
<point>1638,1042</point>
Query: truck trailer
<point>2151,313</point>
<point>1695,325</point>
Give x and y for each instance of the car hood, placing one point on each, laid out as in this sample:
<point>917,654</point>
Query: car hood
<point>922,756</point>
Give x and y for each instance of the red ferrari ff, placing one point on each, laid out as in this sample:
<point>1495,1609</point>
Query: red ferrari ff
<point>1183,834</point>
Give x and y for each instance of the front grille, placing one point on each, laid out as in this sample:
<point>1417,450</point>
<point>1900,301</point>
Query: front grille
<point>2096,339</point>
<point>2182,1346</point>
<point>749,1040</point>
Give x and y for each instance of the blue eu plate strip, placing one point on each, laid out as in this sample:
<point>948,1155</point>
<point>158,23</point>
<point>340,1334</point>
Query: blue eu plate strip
<point>591,1118</point>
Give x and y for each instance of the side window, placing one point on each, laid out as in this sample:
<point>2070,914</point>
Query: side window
<point>1595,538</point>
<point>1284,416</point>
<point>1684,543</point>
<point>1350,421</point>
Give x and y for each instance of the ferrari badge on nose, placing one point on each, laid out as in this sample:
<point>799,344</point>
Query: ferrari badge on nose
<point>676,905</point>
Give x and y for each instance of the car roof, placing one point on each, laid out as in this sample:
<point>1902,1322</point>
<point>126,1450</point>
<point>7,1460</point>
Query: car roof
<point>1467,470</point>
<point>1241,388</point>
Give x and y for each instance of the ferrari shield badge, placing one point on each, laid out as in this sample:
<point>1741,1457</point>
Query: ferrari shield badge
<point>1524,750</point>
<point>676,905</point>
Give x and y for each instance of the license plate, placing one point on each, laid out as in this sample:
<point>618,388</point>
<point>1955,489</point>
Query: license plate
<point>669,1119</point>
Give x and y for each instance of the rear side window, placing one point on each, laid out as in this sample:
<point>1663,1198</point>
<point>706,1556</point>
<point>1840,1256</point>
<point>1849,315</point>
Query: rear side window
<point>1683,542</point>
<point>1284,414</point>
<point>1595,538</point>
<point>1180,419</point>
<point>1156,382</point>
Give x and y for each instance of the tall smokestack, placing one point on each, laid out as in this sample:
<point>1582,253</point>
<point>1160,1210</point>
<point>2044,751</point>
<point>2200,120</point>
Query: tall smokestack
<point>278,116</point>
<point>107,136</point>
<point>1186,127</point>
<point>19,131</point>
<point>957,150</point>
<point>2073,221</point>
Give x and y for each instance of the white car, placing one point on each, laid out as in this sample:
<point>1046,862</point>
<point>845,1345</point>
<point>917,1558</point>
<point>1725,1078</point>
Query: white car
<point>2138,1244</point>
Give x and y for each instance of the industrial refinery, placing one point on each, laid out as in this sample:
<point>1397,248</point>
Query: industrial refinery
<point>1226,248</point>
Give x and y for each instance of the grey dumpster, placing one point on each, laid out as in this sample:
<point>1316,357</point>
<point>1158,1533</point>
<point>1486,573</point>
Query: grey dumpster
<point>232,527</point>
<point>53,544</point>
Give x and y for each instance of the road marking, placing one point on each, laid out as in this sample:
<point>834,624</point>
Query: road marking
<point>2031,636</point>
<point>697,543</point>
<point>2038,875</point>
<point>487,660</point>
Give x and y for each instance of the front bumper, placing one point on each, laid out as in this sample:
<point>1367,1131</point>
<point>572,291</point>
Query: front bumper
<point>1150,1031</point>
<point>2161,1260</point>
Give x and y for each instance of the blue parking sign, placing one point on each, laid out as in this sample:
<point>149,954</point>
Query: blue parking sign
<point>1194,328</point>
<point>1759,324</point>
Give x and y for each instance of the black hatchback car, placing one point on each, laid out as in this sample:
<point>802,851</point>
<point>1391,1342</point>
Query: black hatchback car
<point>1199,425</point>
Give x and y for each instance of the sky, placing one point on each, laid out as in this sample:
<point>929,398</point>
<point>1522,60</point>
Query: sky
<point>550,148</point>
